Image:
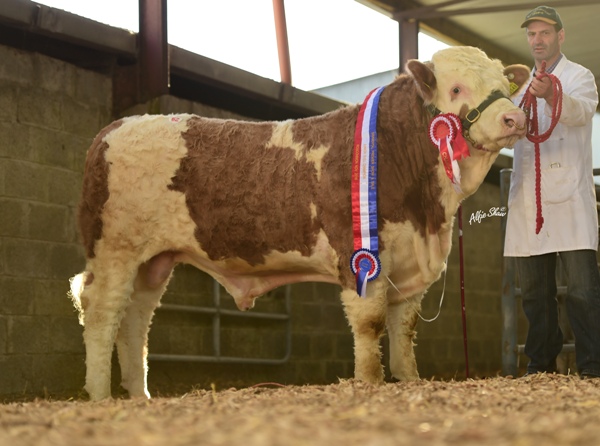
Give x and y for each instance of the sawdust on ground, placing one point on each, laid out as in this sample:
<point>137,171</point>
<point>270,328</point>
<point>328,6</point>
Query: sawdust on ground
<point>537,410</point>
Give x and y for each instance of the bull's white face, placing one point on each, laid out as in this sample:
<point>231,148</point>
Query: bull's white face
<point>465,78</point>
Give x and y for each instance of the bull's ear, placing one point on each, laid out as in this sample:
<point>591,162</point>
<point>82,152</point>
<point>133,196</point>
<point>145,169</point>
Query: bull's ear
<point>424,78</point>
<point>517,76</point>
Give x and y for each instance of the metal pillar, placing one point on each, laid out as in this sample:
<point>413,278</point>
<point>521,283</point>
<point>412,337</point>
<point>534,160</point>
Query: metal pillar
<point>153,45</point>
<point>409,40</point>
<point>509,303</point>
<point>283,47</point>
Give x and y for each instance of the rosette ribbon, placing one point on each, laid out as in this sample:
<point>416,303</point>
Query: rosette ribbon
<point>364,262</point>
<point>445,132</point>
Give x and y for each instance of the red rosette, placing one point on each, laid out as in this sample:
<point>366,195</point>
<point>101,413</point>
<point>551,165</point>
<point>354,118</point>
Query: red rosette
<point>441,129</point>
<point>460,149</point>
<point>441,132</point>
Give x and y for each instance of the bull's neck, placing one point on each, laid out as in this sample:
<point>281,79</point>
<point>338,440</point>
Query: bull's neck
<point>475,168</point>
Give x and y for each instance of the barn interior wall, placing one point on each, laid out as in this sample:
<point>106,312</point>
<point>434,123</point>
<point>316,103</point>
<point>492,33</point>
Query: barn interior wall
<point>49,113</point>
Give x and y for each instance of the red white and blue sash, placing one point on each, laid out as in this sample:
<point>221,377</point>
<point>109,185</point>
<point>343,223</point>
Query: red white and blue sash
<point>365,263</point>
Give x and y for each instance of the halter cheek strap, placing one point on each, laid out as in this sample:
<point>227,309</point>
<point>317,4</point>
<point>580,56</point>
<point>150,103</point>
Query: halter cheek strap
<point>475,113</point>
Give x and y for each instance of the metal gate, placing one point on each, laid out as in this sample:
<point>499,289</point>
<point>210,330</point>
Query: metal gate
<point>218,313</point>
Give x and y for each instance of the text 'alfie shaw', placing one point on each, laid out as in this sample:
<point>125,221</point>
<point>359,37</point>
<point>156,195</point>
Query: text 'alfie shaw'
<point>479,216</point>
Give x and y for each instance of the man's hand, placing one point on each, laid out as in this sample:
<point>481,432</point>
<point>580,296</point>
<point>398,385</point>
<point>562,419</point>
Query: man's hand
<point>541,87</point>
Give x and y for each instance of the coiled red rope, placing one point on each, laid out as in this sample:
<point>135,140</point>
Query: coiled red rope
<point>529,106</point>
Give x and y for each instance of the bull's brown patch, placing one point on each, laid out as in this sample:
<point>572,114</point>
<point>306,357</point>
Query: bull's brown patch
<point>94,190</point>
<point>243,195</point>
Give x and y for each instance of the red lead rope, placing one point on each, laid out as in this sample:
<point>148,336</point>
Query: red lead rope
<point>529,106</point>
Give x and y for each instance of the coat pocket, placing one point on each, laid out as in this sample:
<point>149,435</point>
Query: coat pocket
<point>559,184</point>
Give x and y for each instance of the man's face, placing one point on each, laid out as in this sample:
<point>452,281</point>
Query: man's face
<point>544,41</point>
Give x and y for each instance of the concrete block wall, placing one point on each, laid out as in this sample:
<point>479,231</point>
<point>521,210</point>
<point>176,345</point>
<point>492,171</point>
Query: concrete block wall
<point>440,344</point>
<point>49,113</point>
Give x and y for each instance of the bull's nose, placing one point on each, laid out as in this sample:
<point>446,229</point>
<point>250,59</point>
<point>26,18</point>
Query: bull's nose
<point>515,121</point>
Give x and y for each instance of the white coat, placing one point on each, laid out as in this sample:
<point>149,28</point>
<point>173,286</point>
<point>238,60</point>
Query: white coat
<point>567,183</point>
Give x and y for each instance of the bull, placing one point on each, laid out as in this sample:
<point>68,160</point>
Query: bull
<point>258,205</point>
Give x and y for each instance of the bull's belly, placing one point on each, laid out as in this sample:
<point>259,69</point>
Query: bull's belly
<point>245,282</point>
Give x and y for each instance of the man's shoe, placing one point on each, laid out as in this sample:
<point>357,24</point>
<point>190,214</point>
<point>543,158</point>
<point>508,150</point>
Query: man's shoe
<point>537,372</point>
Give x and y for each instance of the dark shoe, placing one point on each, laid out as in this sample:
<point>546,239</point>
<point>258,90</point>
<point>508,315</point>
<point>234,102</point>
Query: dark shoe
<point>536,372</point>
<point>587,375</point>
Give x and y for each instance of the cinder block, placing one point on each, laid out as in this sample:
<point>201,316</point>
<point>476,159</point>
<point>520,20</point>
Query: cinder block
<point>50,298</point>
<point>344,346</point>
<point>13,216</point>
<point>93,88</point>
<point>65,261</point>
<point>322,347</point>
<point>8,102</point>
<point>24,180</point>
<point>26,258</point>
<point>171,104</point>
<point>3,336</point>
<point>16,375</point>
<point>17,66</point>
<point>66,336</point>
<point>29,335</point>
<point>306,316</point>
<point>39,113</point>
<point>50,148</point>
<point>301,343</point>
<point>14,144</point>
<point>16,296</point>
<point>304,292</point>
<point>79,118</point>
<point>59,374</point>
<point>47,222</point>
<point>64,187</point>
<point>53,75</point>
<point>336,370</point>
<point>310,372</point>
<point>334,318</point>
<point>273,342</point>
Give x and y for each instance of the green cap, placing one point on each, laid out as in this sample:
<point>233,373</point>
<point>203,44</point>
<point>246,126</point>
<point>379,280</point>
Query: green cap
<point>544,14</point>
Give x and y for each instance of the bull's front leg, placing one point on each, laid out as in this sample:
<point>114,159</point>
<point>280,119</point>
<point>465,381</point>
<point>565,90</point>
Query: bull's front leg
<point>401,322</point>
<point>367,319</point>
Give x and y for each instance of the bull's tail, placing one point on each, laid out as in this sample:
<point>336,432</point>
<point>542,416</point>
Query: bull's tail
<point>77,283</point>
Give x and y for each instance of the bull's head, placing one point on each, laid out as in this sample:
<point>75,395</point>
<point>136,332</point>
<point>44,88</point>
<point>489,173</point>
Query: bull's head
<point>464,81</point>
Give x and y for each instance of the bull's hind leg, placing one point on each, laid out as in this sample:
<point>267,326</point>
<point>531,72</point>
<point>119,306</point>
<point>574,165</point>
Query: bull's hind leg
<point>103,299</point>
<point>132,338</point>
<point>367,319</point>
<point>401,323</point>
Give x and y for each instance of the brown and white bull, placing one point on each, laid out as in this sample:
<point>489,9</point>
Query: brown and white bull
<point>260,205</point>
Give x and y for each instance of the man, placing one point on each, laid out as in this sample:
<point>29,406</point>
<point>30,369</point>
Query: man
<point>568,206</point>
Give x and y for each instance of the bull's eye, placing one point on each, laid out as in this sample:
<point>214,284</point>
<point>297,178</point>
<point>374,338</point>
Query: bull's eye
<point>456,90</point>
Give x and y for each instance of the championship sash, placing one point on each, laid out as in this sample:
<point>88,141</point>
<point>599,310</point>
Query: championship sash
<point>365,263</point>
